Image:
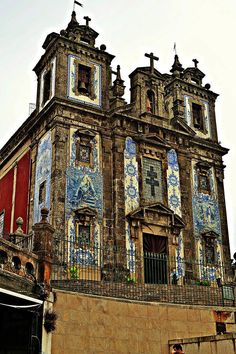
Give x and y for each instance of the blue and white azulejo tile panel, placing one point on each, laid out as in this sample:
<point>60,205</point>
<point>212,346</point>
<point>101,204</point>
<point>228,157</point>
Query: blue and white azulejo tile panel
<point>72,81</point>
<point>206,117</point>
<point>174,203</point>
<point>206,213</point>
<point>173,183</point>
<point>132,197</point>
<point>84,188</point>
<point>131,176</point>
<point>43,174</point>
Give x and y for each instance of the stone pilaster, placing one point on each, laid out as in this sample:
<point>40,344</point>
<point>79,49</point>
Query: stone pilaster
<point>118,191</point>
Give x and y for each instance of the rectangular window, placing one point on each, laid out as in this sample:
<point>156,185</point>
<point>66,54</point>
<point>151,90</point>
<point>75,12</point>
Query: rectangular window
<point>1,223</point>
<point>203,183</point>
<point>84,153</point>
<point>47,86</point>
<point>83,234</point>
<point>209,251</point>
<point>197,116</point>
<point>42,192</point>
<point>84,79</point>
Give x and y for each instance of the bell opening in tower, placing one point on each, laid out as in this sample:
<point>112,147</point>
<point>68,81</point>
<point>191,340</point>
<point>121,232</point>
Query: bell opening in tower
<point>47,86</point>
<point>84,78</point>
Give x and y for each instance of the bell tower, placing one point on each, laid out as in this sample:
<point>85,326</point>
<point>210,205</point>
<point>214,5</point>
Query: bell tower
<point>73,69</point>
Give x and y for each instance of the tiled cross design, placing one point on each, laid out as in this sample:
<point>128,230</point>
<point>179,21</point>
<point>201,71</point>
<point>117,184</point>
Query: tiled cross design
<point>152,180</point>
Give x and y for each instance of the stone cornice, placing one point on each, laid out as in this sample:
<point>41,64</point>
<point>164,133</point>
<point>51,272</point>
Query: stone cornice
<point>190,88</point>
<point>54,108</point>
<point>207,144</point>
<point>77,48</point>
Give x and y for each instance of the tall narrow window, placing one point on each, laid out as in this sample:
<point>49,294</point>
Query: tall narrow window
<point>84,148</point>
<point>209,250</point>
<point>42,192</point>
<point>197,116</point>
<point>1,222</point>
<point>150,102</point>
<point>47,86</point>
<point>204,183</point>
<point>84,153</point>
<point>83,233</point>
<point>84,78</point>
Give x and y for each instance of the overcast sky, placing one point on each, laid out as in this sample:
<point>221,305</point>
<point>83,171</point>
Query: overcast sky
<point>204,30</point>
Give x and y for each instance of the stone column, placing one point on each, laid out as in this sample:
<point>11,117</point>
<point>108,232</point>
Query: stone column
<point>43,247</point>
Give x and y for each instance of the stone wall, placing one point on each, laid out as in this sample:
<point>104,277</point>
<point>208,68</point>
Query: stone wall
<point>209,345</point>
<point>91,325</point>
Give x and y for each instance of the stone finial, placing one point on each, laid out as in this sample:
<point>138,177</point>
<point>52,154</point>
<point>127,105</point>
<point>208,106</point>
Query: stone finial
<point>73,17</point>
<point>118,85</point>
<point>19,223</point>
<point>176,67</point>
<point>44,215</point>
<point>73,24</point>
<point>118,76</point>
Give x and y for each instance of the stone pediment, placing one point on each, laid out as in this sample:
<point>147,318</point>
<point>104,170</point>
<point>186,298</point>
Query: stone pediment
<point>204,165</point>
<point>85,214</point>
<point>194,72</point>
<point>183,127</point>
<point>210,234</point>
<point>146,70</point>
<point>154,139</point>
<point>85,132</point>
<point>157,214</point>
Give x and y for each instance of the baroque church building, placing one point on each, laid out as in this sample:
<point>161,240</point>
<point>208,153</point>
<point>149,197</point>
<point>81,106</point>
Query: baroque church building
<point>143,177</point>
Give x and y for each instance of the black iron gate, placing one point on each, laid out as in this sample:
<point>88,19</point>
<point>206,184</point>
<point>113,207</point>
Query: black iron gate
<point>155,259</point>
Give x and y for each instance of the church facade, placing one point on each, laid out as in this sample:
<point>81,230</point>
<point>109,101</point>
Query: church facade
<point>144,176</point>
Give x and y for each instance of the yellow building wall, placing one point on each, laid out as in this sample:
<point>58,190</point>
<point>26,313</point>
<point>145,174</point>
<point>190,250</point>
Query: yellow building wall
<point>93,325</point>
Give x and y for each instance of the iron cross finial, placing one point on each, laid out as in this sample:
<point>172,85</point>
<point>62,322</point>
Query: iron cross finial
<point>152,58</point>
<point>87,19</point>
<point>195,62</point>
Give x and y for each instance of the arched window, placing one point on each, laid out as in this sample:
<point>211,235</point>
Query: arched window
<point>150,102</point>
<point>29,268</point>
<point>16,262</point>
<point>3,257</point>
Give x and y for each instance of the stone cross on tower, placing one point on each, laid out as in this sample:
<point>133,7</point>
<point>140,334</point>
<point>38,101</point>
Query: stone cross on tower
<point>195,62</point>
<point>152,58</point>
<point>87,19</point>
